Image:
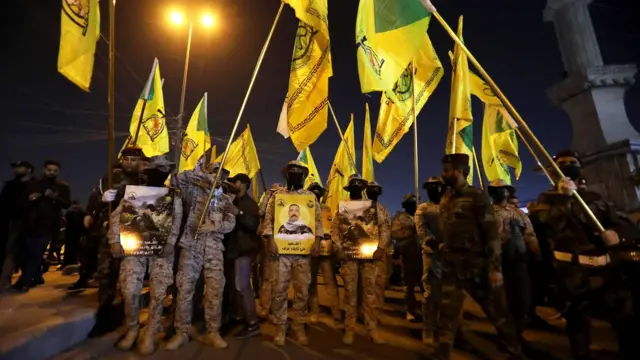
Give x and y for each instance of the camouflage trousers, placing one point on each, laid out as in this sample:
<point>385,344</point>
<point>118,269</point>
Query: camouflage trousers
<point>324,264</point>
<point>267,264</point>
<point>132,271</point>
<point>207,255</point>
<point>431,303</point>
<point>107,274</point>
<point>294,270</point>
<point>471,276</point>
<point>366,271</point>
<point>383,272</point>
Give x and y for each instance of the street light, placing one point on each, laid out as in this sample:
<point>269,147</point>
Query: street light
<point>177,18</point>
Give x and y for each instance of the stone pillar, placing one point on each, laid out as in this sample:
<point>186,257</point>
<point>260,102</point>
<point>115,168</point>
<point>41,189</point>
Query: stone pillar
<point>592,95</point>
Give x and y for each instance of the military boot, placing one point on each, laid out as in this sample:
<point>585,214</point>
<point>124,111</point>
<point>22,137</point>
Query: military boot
<point>348,337</point>
<point>300,334</point>
<point>214,339</point>
<point>280,336</point>
<point>264,314</point>
<point>337,319</point>
<point>314,318</point>
<point>146,345</point>
<point>129,339</point>
<point>177,341</point>
<point>376,337</point>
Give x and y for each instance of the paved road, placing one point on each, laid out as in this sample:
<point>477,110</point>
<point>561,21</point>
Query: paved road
<point>403,342</point>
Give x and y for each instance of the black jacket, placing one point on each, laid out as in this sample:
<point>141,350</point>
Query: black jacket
<point>45,213</point>
<point>244,239</point>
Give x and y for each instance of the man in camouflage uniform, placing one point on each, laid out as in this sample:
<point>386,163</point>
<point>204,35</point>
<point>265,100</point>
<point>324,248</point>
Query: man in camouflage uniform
<point>583,272</point>
<point>471,259</point>
<point>403,230</point>
<point>427,221</point>
<point>133,268</point>
<point>517,235</point>
<point>354,270</point>
<point>266,260</point>
<point>384,266</point>
<point>294,269</point>
<point>204,253</point>
<point>324,262</point>
<point>127,172</point>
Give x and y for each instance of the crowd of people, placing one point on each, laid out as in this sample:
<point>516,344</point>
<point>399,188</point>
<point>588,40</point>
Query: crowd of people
<point>462,241</point>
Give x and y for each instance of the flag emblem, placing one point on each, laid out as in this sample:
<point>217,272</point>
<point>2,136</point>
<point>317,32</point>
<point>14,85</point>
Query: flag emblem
<point>403,88</point>
<point>154,126</point>
<point>188,147</point>
<point>78,12</point>
<point>303,46</point>
<point>374,60</point>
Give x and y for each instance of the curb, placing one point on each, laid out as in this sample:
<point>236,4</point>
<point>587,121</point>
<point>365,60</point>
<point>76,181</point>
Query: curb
<point>55,335</point>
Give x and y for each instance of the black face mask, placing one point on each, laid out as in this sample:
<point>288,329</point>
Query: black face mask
<point>450,181</point>
<point>411,208</point>
<point>434,194</point>
<point>319,194</point>
<point>295,180</point>
<point>499,196</point>
<point>372,195</point>
<point>573,171</point>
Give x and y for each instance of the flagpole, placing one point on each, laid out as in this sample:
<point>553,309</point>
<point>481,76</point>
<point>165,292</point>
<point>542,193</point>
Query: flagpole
<point>335,120</point>
<point>415,133</point>
<point>535,157</point>
<point>111,97</point>
<point>180,132</point>
<point>454,135</point>
<point>135,139</point>
<point>475,159</point>
<point>264,183</point>
<point>515,114</point>
<point>244,104</point>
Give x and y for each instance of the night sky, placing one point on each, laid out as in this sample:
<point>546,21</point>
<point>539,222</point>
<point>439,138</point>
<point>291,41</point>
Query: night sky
<point>45,116</point>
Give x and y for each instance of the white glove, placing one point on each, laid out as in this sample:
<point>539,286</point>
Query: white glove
<point>109,196</point>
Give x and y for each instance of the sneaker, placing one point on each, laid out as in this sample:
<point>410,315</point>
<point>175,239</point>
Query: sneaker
<point>249,330</point>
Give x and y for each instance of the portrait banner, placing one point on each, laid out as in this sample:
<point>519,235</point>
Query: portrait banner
<point>358,224</point>
<point>295,219</point>
<point>145,221</point>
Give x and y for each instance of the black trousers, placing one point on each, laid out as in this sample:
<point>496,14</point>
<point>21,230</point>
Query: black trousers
<point>518,288</point>
<point>71,246</point>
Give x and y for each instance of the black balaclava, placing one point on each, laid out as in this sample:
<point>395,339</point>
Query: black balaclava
<point>317,190</point>
<point>498,194</point>
<point>434,192</point>
<point>295,178</point>
<point>410,206</point>
<point>156,177</point>
<point>356,187</point>
<point>373,193</point>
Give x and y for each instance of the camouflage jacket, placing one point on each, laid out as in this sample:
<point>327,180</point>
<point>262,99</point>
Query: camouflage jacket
<point>469,225</point>
<point>384,228</point>
<point>403,229</point>
<point>516,231</point>
<point>427,220</point>
<point>561,221</point>
<point>269,217</point>
<point>194,189</point>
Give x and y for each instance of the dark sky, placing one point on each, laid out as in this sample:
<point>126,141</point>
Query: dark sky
<point>45,116</point>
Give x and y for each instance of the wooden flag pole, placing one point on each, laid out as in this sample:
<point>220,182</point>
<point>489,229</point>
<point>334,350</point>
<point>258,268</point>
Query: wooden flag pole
<point>475,159</point>
<point>514,113</point>
<point>535,157</point>
<point>111,97</point>
<point>244,104</point>
<point>415,134</point>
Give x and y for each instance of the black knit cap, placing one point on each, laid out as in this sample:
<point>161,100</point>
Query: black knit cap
<point>456,159</point>
<point>568,153</point>
<point>132,151</point>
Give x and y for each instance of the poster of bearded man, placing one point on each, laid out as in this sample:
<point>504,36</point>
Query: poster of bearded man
<point>295,221</point>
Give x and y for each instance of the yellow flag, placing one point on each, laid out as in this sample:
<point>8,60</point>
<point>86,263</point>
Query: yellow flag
<point>388,34</point>
<point>367,154</point>
<point>341,169</point>
<point>499,142</point>
<point>196,139</point>
<point>152,134</point>
<point>79,33</point>
<point>396,117</point>
<point>214,155</point>
<point>308,96</point>
<point>460,118</point>
<point>243,156</point>
<point>314,176</point>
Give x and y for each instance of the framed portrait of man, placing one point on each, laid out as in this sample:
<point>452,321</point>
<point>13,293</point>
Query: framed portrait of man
<point>359,228</point>
<point>294,222</point>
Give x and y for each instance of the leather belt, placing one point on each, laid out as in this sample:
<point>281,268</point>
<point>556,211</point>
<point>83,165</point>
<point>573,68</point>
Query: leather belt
<point>603,260</point>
